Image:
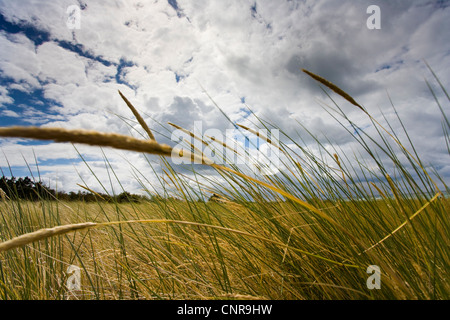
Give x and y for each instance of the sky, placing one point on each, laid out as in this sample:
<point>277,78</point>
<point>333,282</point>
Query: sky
<point>63,62</point>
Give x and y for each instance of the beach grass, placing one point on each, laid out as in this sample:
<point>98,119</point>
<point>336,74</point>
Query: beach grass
<point>310,231</point>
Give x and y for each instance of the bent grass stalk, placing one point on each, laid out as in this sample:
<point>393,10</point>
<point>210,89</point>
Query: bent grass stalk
<point>91,191</point>
<point>38,235</point>
<point>261,136</point>
<point>138,117</point>
<point>287,244</point>
<point>93,138</point>
<point>295,199</point>
<point>191,134</point>
<point>271,187</point>
<point>148,146</point>
<point>346,96</point>
<point>43,234</point>
<point>409,219</point>
<point>335,88</point>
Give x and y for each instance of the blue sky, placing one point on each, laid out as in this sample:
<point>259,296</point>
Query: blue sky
<point>161,54</point>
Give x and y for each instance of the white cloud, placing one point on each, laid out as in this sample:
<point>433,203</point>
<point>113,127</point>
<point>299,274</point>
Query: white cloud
<point>59,65</point>
<point>233,51</point>
<point>4,97</point>
<point>10,113</point>
<point>18,60</point>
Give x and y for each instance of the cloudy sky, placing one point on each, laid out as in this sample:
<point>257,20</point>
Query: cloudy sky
<point>163,55</point>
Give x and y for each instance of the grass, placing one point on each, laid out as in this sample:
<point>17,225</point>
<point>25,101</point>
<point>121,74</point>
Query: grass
<point>307,232</point>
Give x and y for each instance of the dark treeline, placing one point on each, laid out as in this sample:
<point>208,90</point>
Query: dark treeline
<point>27,189</point>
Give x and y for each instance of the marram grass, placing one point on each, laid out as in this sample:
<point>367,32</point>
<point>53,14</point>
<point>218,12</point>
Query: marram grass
<point>92,138</point>
<point>43,234</point>
<point>138,117</point>
<point>307,233</point>
<point>59,230</point>
<point>335,88</point>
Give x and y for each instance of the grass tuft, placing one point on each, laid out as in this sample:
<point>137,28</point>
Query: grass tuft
<point>308,231</point>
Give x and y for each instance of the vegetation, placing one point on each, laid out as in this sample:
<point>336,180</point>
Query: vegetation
<point>308,232</point>
<point>27,189</point>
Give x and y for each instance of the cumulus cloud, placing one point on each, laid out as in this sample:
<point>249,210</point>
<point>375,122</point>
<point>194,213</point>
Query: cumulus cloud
<point>177,62</point>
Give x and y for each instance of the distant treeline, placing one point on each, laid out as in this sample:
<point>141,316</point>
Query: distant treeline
<point>27,189</point>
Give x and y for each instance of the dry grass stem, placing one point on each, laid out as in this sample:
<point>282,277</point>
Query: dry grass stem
<point>395,192</point>
<point>306,205</point>
<point>223,144</point>
<point>92,138</point>
<point>59,230</point>
<point>243,233</point>
<point>346,96</point>
<point>138,117</point>
<point>338,162</point>
<point>335,88</point>
<point>95,138</point>
<point>194,157</point>
<point>404,223</point>
<point>43,234</point>
<point>189,133</point>
<point>259,135</point>
<point>293,234</point>
<point>379,190</point>
<point>91,191</point>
